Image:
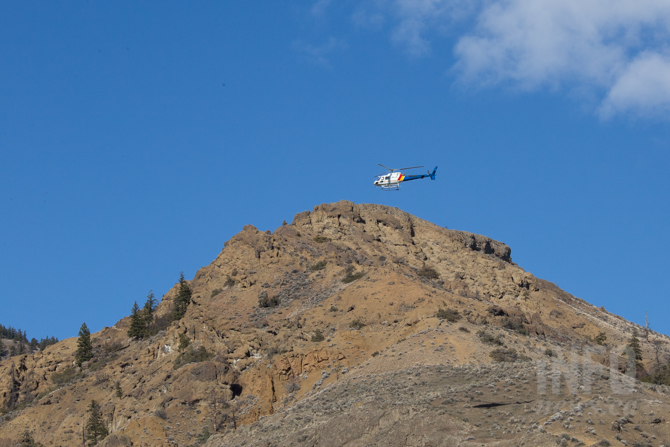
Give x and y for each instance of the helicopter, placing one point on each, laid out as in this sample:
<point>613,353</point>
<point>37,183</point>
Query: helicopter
<point>392,179</point>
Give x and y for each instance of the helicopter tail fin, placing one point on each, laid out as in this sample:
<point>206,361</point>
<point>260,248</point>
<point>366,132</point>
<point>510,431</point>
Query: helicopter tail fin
<point>432,174</point>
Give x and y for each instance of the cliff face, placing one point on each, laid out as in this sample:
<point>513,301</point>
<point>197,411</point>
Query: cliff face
<point>349,291</point>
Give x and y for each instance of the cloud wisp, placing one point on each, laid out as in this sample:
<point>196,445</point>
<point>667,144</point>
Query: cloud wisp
<point>617,48</point>
<point>319,53</point>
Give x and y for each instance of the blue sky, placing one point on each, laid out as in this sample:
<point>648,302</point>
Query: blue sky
<point>137,137</point>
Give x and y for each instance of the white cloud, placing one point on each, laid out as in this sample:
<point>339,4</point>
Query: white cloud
<point>643,88</point>
<point>319,53</point>
<point>319,8</point>
<point>616,48</point>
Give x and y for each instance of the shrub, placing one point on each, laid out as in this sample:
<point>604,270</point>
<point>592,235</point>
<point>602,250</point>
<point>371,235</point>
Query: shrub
<point>356,324</point>
<point>515,325</point>
<point>450,315</point>
<point>548,352</point>
<point>192,356</point>
<point>321,239</point>
<point>111,347</point>
<point>230,282</point>
<point>490,339</point>
<point>659,376</point>
<point>506,355</point>
<point>318,336</point>
<point>159,324</point>
<point>351,275</point>
<point>375,354</point>
<point>333,308</point>
<point>183,342</point>
<point>265,301</point>
<point>464,329</point>
<point>217,291</point>
<point>161,413</point>
<point>292,386</point>
<point>600,338</point>
<point>65,376</point>
<point>428,272</point>
<point>318,266</point>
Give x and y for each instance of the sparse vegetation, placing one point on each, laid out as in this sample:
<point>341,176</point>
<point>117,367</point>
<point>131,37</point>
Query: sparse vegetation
<point>318,266</point>
<point>356,324</point>
<point>450,315</point>
<point>65,376</point>
<point>204,434</point>
<point>548,352</point>
<point>351,275</point>
<point>464,329</point>
<point>27,440</point>
<point>490,339</point>
<point>428,272</point>
<point>118,390</point>
<point>217,291</point>
<point>321,239</point>
<point>658,376</point>
<point>230,282</point>
<point>514,324</point>
<point>601,338</point>
<point>292,386</point>
<point>333,308</point>
<point>507,355</point>
<point>318,336</point>
<point>191,355</point>
<point>265,301</point>
<point>184,342</point>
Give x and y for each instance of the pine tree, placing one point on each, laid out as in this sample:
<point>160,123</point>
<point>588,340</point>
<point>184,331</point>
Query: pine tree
<point>136,323</point>
<point>182,300</point>
<point>84,346</point>
<point>634,346</point>
<point>95,427</point>
<point>33,344</point>
<point>148,309</point>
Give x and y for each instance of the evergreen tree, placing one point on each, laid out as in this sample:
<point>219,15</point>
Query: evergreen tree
<point>148,309</point>
<point>634,346</point>
<point>33,344</point>
<point>182,300</point>
<point>95,427</point>
<point>84,346</point>
<point>136,323</point>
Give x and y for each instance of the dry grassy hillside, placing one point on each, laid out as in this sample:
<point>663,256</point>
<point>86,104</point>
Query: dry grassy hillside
<point>292,321</point>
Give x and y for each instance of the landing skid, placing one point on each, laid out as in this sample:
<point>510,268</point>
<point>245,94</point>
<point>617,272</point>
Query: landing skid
<point>395,187</point>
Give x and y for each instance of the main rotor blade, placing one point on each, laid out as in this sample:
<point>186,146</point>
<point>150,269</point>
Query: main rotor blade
<point>386,167</point>
<point>413,167</point>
